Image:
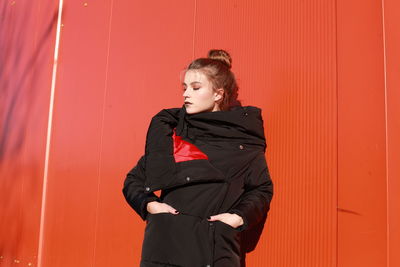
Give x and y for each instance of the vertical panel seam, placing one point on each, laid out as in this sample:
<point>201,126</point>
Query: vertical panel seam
<point>386,134</point>
<point>337,134</point>
<point>194,28</point>
<point>48,137</point>
<point>102,134</point>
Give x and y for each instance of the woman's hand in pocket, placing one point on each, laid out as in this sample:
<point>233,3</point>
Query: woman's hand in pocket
<point>231,219</point>
<point>154,207</point>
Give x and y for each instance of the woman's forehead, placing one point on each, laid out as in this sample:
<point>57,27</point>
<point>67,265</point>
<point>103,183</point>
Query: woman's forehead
<point>195,76</point>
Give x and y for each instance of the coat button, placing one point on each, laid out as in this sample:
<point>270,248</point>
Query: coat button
<point>245,113</point>
<point>147,188</point>
<point>208,265</point>
<point>241,147</point>
<point>211,224</point>
<point>188,178</point>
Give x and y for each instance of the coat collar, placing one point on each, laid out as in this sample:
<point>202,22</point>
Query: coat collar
<point>240,125</point>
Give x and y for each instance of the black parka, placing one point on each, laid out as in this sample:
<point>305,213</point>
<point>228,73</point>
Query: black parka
<point>231,176</point>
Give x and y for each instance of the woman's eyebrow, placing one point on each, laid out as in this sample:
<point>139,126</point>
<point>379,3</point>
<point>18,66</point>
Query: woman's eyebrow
<point>191,83</point>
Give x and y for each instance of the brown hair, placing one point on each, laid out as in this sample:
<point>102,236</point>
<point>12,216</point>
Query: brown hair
<point>217,68</point>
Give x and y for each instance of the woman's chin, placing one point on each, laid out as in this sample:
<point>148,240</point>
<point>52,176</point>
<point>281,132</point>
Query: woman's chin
<point>190,109</point>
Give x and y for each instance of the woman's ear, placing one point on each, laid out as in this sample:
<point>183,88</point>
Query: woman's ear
<point>219,94</point>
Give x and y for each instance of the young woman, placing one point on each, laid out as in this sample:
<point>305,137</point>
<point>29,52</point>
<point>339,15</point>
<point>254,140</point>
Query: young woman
<point>208,160</point>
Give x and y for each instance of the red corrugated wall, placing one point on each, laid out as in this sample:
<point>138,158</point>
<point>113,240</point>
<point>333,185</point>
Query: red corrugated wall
<point>27,35</point>
<point>323,72</point>
<point>392,87</point>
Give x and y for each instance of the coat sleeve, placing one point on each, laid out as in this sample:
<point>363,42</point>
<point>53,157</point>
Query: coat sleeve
<point>133,189</point>
<point>254,203</point>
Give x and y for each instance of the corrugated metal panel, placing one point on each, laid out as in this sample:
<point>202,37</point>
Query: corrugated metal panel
<point>143,77</point>
<point>26,48</point>
<point>72,191</point>
<point>114,74</point>
<point>391,10</point>
<point>361,139</point>
<point>284,55</point>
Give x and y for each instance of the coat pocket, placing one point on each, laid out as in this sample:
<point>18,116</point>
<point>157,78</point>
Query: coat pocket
<point>227,241</point>
<point>179,239</point>
<point>237,229</point>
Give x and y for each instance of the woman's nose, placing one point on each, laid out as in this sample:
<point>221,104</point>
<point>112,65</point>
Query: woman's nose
<point>185,93</point>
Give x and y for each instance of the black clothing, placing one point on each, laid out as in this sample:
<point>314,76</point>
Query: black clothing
<point>234,178</point>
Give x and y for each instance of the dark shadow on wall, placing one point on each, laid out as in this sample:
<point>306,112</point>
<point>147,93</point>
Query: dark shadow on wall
<point>12,46</point>
<point>24,57</point>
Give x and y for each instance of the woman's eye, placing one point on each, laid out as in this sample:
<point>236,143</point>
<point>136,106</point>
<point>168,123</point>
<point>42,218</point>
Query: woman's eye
<point>194,88</point>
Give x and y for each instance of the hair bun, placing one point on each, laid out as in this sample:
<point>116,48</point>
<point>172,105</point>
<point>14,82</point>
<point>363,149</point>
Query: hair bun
<point>220,55</point>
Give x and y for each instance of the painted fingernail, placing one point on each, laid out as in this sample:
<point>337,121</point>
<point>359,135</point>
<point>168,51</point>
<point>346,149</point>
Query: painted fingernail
<point>208,217</point>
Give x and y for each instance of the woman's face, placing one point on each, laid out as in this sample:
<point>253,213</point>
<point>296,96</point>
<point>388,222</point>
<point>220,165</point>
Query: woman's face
<point>198,93</point>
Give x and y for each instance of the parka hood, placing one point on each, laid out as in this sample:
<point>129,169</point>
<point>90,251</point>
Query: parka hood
<point>242,126</point>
